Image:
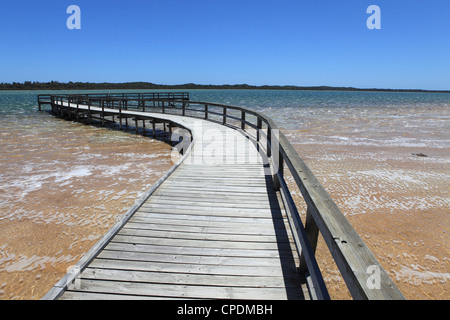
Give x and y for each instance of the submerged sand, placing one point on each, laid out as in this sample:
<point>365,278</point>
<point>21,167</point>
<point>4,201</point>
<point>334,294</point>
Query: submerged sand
<point>390,176</point>
<point>63,190</point>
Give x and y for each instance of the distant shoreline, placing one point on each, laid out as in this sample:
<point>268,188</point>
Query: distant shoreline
<point>55,85</point>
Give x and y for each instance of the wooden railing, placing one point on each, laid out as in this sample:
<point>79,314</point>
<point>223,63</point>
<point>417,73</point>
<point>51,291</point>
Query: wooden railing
<point>364,276</point>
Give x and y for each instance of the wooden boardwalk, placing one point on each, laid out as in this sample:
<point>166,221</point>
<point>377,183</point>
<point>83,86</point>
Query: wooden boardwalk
<point>221,223</point>
<point>214,229</point>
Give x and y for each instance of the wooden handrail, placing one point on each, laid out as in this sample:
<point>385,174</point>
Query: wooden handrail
<point>362,273</point>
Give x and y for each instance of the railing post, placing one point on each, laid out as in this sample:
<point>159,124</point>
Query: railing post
<point>163,107</point>
<point>143,105</point>
<point>277,159</point>
<point>269,142</point>
<point>154,128</point>
<point>258,132</point>
<point>206,111</point>
<point>258,128</point>
<point>102,103</point>
<point>243,120</point>
<point>276,182</point>
<point>89,108</point>
<point>78,107</point>
<point>183,109</point>
<point>224,119</point>
<point>120,113</point>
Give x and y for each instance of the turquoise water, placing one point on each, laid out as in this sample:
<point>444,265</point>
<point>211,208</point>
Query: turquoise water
<point>24,101</point>
<point>286,107</point>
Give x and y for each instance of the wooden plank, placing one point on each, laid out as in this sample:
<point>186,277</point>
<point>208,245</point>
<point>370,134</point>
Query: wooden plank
<point>174,249</point>
<point>171,290</point>
<point>187,188</point>
<point>202,243</point>
<point>201,236</point>
<point>79,295</point>
<point>266,271</point>
<point>209,210</point>
<point>171,190</point>
<point>230,202</point>
<point>260,182</point>
<point>236,176</point>
<point>190,279</point>
<point>205,217</point>
<point>226,186</point>
<point>217,229</point>
<point>189,259</point>
<point>264,226</point>
<point>210,203</point>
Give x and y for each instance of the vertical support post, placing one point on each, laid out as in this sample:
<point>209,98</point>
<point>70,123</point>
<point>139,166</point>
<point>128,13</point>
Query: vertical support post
<point>243,120</point>
<point>143,105</point>
<point>258,127</point>
<point>125,105</point>
<point>78,109</point>
<point>170,131</point>
<point>102,103</point>
<point>206,111</point>
<point>258,131</point>
<point>312,232</point>
<point>68,107</point>
<point>163,108</point>
<point>224,115</point>
<point>89,108</point>
<point>120,114</point>
<point>183,110</point>
<point>269,141</point>
<point>276,181</point>
<point>154,128</point>
<point>277,160</point>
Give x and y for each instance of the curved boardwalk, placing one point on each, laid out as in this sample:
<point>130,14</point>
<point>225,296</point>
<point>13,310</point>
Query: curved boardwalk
<point>213,229</point>
<point>221,223</point>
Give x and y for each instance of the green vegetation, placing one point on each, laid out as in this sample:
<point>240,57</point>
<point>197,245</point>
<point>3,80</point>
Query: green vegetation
<point>55,85</point>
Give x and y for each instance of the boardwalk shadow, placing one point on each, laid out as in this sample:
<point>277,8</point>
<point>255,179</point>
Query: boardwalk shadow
<point>292,278</point>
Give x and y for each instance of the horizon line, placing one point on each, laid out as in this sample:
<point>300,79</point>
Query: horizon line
<point>37,85</point>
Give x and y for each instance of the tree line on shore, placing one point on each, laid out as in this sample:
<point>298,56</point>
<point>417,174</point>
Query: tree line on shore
<point>56,85</point>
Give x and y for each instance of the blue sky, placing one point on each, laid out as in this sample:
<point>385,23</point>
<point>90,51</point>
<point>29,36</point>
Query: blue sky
<point>282,42</point>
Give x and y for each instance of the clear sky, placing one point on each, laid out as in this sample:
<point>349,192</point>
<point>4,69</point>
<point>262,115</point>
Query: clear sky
<point>258,42</point>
